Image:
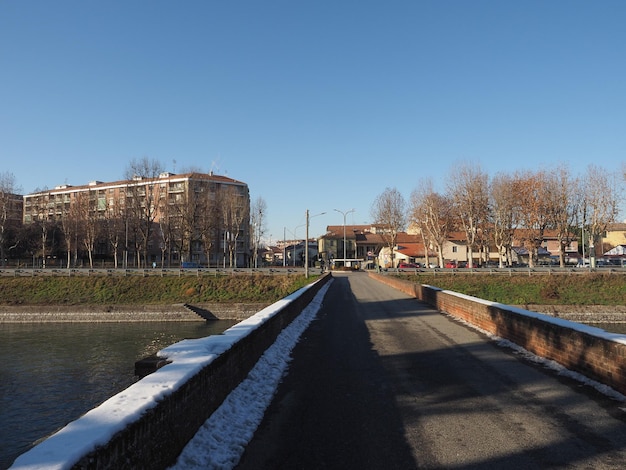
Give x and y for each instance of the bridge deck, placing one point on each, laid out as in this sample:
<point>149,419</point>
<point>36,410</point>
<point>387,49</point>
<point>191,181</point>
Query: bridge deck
<point>382,381</point>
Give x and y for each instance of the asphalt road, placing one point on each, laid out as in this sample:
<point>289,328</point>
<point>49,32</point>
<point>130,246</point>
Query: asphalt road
<point>383,381</point>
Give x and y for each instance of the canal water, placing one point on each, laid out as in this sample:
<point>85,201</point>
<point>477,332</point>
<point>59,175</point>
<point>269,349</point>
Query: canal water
<point>52,373</point>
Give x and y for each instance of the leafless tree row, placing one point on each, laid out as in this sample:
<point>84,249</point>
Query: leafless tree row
<point>490,210</point>
<point>128,229</point>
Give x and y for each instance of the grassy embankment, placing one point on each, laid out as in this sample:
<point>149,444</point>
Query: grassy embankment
<point>146,290</point>
<point>587,289</point>
<point>579,289</point>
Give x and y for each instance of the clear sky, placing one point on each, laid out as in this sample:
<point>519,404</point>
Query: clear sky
<point>317,105</point>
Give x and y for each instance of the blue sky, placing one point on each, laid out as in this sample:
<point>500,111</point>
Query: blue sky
<point>317,105</point>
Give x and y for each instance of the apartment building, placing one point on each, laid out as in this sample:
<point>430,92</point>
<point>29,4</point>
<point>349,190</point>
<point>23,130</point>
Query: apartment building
<point>188,219</point>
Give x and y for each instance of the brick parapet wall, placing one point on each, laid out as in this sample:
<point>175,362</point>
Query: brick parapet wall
<point>600,356</point>
<point>156,439</point>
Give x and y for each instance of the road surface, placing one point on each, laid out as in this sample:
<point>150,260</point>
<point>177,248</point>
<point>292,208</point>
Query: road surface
<point>382,381</point>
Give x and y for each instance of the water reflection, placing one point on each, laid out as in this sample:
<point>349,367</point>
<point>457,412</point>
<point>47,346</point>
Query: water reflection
<point>52,373</point>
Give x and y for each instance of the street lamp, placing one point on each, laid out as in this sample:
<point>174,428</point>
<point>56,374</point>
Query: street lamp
<point>345,213</point>
<point>306,243</point>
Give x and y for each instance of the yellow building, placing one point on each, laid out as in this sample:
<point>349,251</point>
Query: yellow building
<point>615,235</point>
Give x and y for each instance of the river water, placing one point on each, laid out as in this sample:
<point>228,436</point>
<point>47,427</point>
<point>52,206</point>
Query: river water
<point>52,373</point>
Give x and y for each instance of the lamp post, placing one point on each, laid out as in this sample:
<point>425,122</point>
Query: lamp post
<point>344,213</point>
<point>284,245</point>
<point>306,243</point>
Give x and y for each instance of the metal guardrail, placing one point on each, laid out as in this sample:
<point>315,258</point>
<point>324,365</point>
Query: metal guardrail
<point>65,272</point>
<point>199,272</point>
<point>538,270</point>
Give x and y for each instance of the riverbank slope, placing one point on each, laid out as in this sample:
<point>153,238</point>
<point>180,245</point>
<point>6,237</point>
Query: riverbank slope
<point>42,299</point>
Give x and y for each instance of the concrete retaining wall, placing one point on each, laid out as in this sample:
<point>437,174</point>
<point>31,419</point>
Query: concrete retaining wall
<point>156,438</point>
<point>590,351</point>
<point>126,313</point>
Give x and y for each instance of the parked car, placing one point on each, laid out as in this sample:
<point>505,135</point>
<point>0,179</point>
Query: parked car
<point>408,265</point>
<point>465,264</point>
<point>450,264</point>
<point>189,265</point>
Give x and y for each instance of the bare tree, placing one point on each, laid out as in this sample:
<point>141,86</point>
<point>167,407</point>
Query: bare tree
<point>389,212</point>
<point>86,215</point>
<point>599,205</point>
<point>431,212</point>
<point>28,240</point>
<point>533,190</point>
<point>504,215</point>
<point>178,219</point>
<point>258,212</point>
<point>143,202</point>
<point>235,211</point>
<point>468,188</point>
<point>209,217</point>
<point>114,226</point>
<point>40,211</point>
<point>166,230</point>
<point>564,208</point>
<point>143,168</point>
<point>8,190</point>
<point>71,221</point>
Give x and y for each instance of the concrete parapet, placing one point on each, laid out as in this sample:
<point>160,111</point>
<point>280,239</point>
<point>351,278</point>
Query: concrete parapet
<point>590,351</point>
<point>155,433</point>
